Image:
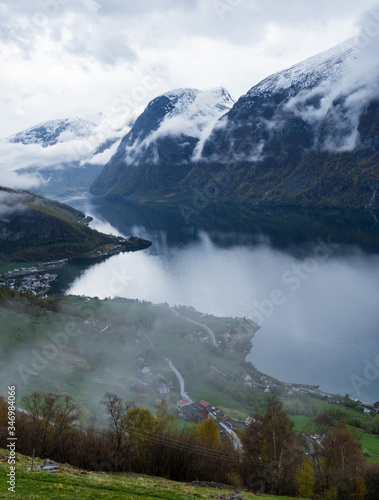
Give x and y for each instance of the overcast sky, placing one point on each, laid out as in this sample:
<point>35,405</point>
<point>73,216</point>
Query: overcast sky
<point>73,57</point>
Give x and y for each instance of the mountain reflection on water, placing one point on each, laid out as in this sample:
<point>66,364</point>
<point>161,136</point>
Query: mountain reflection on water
<point>309,277</point>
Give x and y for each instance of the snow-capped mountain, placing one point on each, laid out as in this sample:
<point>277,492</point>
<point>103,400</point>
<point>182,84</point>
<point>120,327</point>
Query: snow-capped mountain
<point>61,156</point>
<point>307,135</point>
<point>164,141</point>
<point>327,66</point>
<point>54,131</point>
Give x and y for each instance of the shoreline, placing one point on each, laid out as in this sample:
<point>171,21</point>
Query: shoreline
<point>30,279</point>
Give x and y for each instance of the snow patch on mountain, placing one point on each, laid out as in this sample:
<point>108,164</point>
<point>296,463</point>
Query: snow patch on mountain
<point>329,65</point>
<point>102,157</point>
<point>29,157</point>
<point>54,131</point>
<point>328,91</point>
<point>188,113</point>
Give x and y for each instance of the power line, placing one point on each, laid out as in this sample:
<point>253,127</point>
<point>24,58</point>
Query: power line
<point>173,442</point>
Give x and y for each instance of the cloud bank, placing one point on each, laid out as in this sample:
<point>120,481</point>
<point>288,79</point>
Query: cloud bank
<point>60,55</point>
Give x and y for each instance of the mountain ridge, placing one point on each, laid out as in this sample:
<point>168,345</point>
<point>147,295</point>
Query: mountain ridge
<point>163,140</point>
<point>50,132</point>
<point>307,135</point>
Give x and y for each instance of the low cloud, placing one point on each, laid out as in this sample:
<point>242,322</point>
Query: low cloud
<point>195,114</point>
<point>17,158</point>
<point>10,203</point>
<point>353,83</point>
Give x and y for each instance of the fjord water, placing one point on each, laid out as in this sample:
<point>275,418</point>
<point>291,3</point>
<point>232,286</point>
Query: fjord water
<point>310,278</point>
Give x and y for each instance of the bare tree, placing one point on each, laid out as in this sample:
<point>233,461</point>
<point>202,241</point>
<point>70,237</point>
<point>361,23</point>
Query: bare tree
<point>116,409</point>
<point>51,417</point>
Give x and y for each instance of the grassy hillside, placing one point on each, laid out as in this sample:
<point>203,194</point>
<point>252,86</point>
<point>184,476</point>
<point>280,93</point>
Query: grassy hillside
<point>72,483</point>
<point>21,200</point>
<point>101,343</point>
<point>86,347</point>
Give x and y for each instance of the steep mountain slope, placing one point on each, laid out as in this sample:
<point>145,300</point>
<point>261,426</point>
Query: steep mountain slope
<point>308,135</point>
<point>35,228</point>
<point>163,143</point>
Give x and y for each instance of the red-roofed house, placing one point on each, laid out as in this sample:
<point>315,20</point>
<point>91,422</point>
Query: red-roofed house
<point>204,404</point>
<point>183,402</point>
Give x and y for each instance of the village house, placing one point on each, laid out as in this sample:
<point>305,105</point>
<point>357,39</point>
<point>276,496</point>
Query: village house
<point>204,405</point>
<point>163,389</point>
<point>250,420</point>
<point>194,412</point>
<point>160,379</point>
<point>146,370</point>
<point>162,384</point>
<point>182,403</point>
<point>203,337</point>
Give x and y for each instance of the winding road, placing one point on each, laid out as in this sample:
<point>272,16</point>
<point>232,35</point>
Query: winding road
<point>181,381</point>
<point>236,440</point>
<point>208,330</point>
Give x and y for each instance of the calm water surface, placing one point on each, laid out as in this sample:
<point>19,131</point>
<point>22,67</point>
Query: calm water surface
<point>309,278</point>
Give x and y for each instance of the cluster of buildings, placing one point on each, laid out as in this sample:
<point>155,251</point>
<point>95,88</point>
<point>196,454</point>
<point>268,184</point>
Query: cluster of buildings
<point>35,279</point>
<point>199,336</point>
<point>37,284</point>
<point>242,329</point>
<point>148,381</point>
<point>200,411</point>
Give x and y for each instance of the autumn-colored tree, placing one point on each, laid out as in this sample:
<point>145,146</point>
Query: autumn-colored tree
<point>331,493</point>
<point>342,462</point>
<point>141,428</point>
<point>359,489</point>
<point>305,480</point>
<point>208,433</point>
